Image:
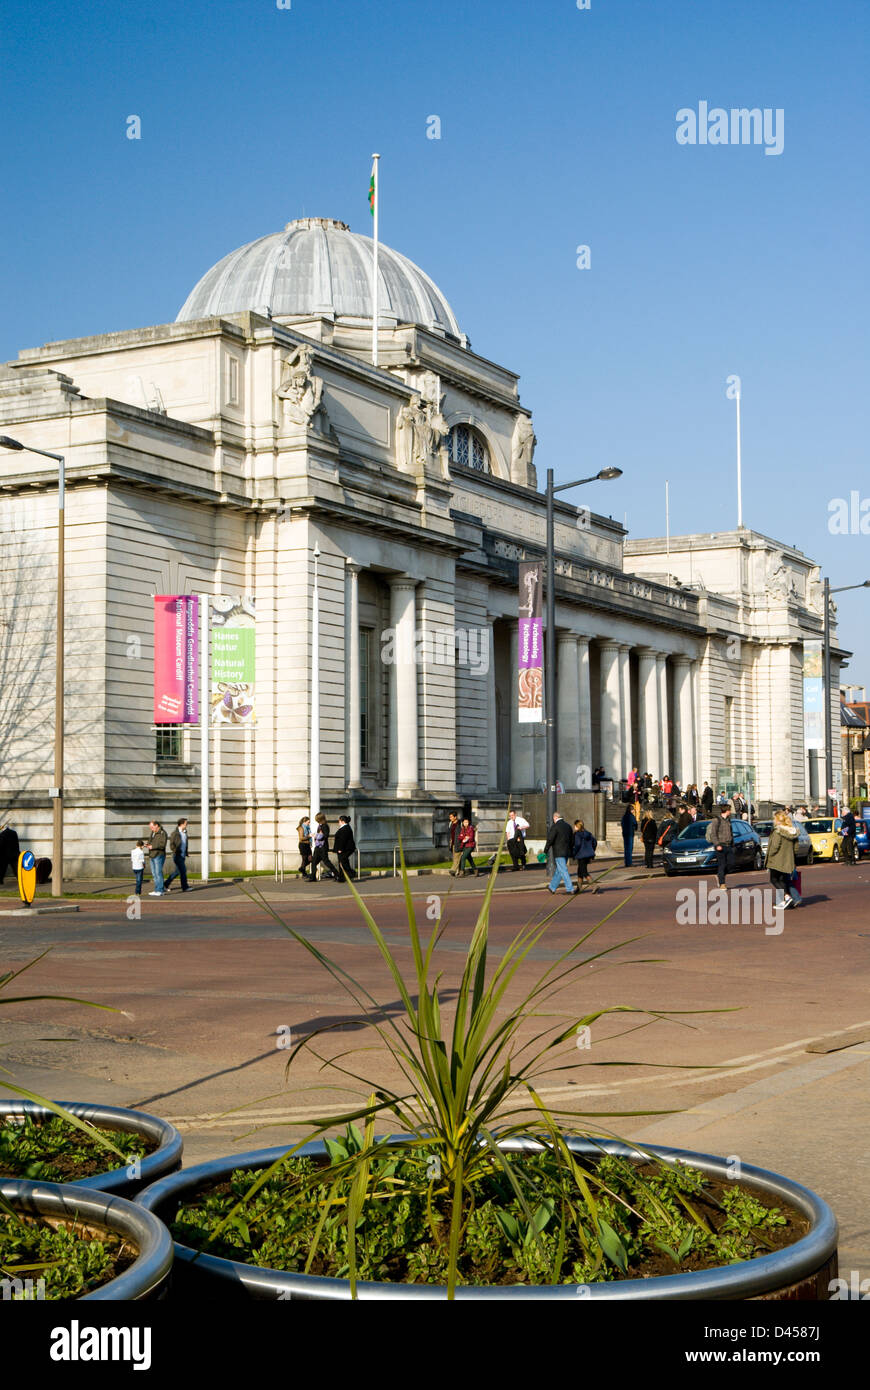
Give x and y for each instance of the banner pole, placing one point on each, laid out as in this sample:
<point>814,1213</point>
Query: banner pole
<point>205,690</point>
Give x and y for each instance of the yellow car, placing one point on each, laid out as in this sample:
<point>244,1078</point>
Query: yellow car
<point>826,834</point>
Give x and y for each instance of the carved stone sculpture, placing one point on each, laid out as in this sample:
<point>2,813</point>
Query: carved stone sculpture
<point>522,449</point>
<point>300,390</point>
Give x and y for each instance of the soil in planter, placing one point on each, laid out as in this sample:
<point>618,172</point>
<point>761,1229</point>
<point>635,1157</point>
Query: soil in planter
<point>647,1220</point>
<point>52,1259</point>
<point>51,1150</point>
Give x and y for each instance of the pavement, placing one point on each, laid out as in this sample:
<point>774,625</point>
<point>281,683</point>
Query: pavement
<point>759,1049</point>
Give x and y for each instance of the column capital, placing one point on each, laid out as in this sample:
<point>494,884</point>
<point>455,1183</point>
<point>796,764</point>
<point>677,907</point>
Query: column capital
<point>680,659</point>
<point>402,581</point>
<point>647,651</point>
<point>352,566</point>
<point>608,644</point>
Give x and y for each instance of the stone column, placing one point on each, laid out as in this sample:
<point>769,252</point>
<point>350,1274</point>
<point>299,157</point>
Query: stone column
<point>648,697</point>
<point>403,686</point>
<point>625,709</point>
<point>568,751</point>
<point>611,741</point>
<point>584,705</point>
<point>684,728</point>
<point>664,741</point>
<point>354,765</point>
<point>492,713</point>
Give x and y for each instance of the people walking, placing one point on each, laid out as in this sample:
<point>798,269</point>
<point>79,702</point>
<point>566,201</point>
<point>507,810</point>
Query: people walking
<point>515,833</point>
<point>629,830</point>
<point>720,834</point>
<point>321,849</point>
<point>585,845</point>
<point>303,834</point>
<point>560,839</point>
<point>179,843</point>
<point>648,833</point>
<point>467,844</point>
<point>344,845</point>
<point>780,860</point>
<point>453,829</point>
<point>707,799</point>
<point>137,859</point>
<point>156,847</point>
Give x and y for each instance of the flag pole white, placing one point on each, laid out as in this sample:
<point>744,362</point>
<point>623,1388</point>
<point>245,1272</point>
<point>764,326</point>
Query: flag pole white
<point>204,710</point>
<point>377,181</point>
<point>668,525</point>
<point>314,775</point>
<point>739,467</point>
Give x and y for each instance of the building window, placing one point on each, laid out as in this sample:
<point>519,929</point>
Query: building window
<point>365,648</point>
<point>167,743</point>
<point>466,447</point>
<point>232,380</point>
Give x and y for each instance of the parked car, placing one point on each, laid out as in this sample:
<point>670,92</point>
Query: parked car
<point>804,852</point>
<point>690,853</point>
<point>826,833</point>
<point>862,838</point>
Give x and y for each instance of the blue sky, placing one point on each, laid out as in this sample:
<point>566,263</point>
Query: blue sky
<point>557,130</point>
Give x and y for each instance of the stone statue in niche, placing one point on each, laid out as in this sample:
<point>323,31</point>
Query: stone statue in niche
<point>780,583</point>
<point>300,390</point>
<point>420,429</point>
<point>522,449</point>
<point>816,592</point>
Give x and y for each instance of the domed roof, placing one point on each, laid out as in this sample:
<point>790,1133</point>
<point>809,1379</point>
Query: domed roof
<point>317,265</point>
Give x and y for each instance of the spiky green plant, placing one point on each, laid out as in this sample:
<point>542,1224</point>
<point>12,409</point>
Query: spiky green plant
<point>469,1084</point>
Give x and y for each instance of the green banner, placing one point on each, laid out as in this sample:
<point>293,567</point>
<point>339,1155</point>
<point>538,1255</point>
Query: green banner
<point>233,652</point>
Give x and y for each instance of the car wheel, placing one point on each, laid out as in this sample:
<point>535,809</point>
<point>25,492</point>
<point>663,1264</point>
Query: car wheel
<point>759,860</point>
<point>810,857</point>
<point>669,870</point>
<point>835,855</point>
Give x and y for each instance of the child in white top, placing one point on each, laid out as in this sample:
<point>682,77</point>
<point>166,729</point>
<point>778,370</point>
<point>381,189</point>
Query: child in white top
<point>137,858</point>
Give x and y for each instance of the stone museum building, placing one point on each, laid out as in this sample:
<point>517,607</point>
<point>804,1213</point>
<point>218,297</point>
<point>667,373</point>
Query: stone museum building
<point>215,454</point>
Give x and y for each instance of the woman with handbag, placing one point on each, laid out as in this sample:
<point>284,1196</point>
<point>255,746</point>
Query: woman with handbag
<point>648,833</point>
<point>585,845</point>
<point>303,833</point>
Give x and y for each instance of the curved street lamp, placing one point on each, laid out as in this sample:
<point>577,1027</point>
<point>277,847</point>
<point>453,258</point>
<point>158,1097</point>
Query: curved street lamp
<point>605,475</point>
<point>57,790</point>
<point>826,648</point>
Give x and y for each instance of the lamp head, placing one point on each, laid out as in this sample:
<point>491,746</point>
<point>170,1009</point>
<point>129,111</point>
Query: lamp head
<point>607,473</point>
<point>8,443</point>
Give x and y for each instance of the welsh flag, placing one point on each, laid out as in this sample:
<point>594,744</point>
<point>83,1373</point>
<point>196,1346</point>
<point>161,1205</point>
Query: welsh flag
<point>372,190</point>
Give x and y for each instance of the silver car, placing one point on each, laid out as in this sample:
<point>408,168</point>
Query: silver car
<point>803,850</point>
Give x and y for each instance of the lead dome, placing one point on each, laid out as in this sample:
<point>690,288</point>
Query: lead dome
<point>319,266</point>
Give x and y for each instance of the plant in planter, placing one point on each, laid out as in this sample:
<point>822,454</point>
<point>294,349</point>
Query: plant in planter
<point>482,1188</point>
<point>107,1149</point>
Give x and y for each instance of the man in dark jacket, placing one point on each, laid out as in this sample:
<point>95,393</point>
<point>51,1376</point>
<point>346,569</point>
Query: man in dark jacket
<point>629,830</point>
<point>344,846</point>
<point>850,831</point>
<point>720,835</point>
<point>179,843</point>
<point>561,841</point>
<point>453,829</point>
<point>156,847</point>
<point>707,799</point>
<point>9,850</point>
<point>683,819</point>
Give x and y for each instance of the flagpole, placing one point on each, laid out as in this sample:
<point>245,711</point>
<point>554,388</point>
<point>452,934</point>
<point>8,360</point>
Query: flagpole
<point>739,468</point>
<point>314,772</point>
<point>375,172</point>
<point>204,710</point>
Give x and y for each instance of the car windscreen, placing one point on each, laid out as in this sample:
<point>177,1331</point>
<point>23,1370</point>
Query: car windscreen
<point>818,827</point>
<point>764,827</point>
<point>698,831</point>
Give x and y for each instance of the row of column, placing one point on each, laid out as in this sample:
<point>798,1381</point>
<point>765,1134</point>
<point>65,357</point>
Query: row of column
<point>617,753</point>
<point>403,753</point>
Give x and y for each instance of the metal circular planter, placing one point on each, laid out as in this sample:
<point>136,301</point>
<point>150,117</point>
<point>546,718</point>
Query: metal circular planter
<point>800,1271</point>
<point>147,1277</point>
<point>166,1158</point>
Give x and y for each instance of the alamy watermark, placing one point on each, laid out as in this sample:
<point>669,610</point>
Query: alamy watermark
<point>740,126</point>
<point>701,906</point>
<point>849,516</point>
<point>438,646</point>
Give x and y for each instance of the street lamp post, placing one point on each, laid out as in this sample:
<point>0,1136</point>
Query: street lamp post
<point>57,789</point>
<point>826,649</point>
<point>552,725</point>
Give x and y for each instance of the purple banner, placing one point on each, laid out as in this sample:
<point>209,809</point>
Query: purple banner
<point>530,651</point>
<point>176,659</point>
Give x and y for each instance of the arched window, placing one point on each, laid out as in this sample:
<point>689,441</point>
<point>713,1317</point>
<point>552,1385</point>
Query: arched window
<point>467,447</point>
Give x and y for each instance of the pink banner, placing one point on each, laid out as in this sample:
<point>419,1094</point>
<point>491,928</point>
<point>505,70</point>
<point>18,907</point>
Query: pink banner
<point>176,659</point>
